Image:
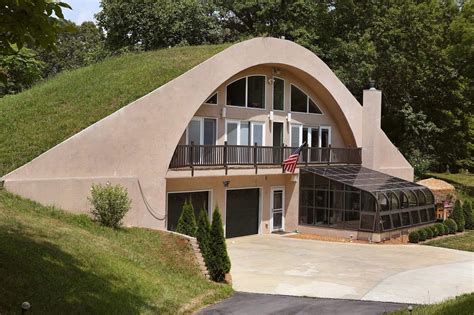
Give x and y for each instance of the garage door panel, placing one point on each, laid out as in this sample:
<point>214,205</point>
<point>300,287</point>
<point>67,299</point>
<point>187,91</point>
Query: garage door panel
<point>242,212</point>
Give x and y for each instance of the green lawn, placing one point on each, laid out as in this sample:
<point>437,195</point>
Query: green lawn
<point>461,305</point>
<point>63,263</point>
<point>461,242</point>
<point>41,117</point>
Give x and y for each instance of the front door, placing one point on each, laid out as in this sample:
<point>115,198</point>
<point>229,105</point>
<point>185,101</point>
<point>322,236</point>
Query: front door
<point>277,204</point>
<point>277,142</point>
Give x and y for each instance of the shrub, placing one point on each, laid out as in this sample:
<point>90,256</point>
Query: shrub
<point>440,228</point>
<point>220,263</point>
<point>446,228</point>
<point>423,235</point>
<point>434,230</point>
<point>452,226</point>
<point>203,235</point>
<point>414,237</point>
<point>109,204</point>
<point>429,233</point>
<point>458,216</point>
<point>187,220</point>
<point>468,215</point>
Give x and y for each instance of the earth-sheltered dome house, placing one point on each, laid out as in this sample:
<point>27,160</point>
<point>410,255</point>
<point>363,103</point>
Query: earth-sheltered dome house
<point>218,135</point>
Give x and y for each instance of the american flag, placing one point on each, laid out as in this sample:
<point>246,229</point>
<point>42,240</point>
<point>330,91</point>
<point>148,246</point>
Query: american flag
<point>289,165</point>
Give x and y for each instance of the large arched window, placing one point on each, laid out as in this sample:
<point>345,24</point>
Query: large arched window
<point>247,92</point>
<point>302,103</point>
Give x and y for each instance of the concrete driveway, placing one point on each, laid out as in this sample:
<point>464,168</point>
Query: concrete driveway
<point>417,274</point>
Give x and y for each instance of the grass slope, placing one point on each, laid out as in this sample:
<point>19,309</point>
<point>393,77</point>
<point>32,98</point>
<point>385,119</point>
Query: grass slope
<point>63,263</point>
<point>464,241</point>
<point>460,305</point>
<point>39,118</point>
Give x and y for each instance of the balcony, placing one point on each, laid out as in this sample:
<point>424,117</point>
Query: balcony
<point>225,156</point>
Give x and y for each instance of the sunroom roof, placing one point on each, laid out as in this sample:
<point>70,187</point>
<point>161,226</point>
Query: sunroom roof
<point>363,178</point>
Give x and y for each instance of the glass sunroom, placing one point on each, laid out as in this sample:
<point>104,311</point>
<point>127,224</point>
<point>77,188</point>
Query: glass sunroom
<point>358,198</point>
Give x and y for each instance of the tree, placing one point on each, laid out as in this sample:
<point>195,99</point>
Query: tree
<point>156,24</point>
<point>468,215</point>
<point>220,262</point>
<point>21,70</point>
<point>203,235</point>
<point>187,220</point>
<point>76,49</point>
<point>458,216</point>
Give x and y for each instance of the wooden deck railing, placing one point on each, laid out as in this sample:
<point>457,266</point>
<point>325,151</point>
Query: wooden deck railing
<point>232,155</point>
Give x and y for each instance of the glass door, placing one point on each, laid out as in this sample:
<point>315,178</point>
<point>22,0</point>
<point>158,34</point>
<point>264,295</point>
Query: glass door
<point>202,131</point>
<point>277,219</point>
<point>277,131</point>
<point>325,142</point>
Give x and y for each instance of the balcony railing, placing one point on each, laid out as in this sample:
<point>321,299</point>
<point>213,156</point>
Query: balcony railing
<point>241,155</point>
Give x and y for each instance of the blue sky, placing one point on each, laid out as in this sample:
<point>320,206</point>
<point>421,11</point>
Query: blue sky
<point>82,10</point>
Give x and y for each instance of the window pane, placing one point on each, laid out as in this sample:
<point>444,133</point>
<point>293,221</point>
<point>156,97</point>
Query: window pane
<point>429,196</point>
<point>352,219</point>
<point>423,215</point>
<point>415,217</point>
<point>278,199</point>
<point>299,100</point>
<point>295,136</point>
<point>368,202</point>
<point>244,133</point>
<point>232,133</point>
<point>396,220</point>
<point>352,201</point>
<point>278,94</point>
<point>337,199</point>
<point>257,134</point>
<point>431,214</point>
<point>386,224</point>
<point>212,99</point>
<point>336,218</point>
<point>194,132</point>
<point>256,92</point>
<point>393,200</point>
<point>236,93</point>
<point>306,180</point>
<point>321,217</point>
<point>313,108</point>
<point>321,198</point>
<point>421,198</point>
<point>367,222</point>
<point>405,218</point>
<point>209,131</point>
<point>277,220</point>
<point>411,198</point>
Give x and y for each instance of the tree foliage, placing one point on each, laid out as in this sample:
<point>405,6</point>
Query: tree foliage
<point>220,262</point>
<point>203,235</point>
<point>21,70</point>
<point>458,216</point>
<point>468,214</point>
<point>187,220</point>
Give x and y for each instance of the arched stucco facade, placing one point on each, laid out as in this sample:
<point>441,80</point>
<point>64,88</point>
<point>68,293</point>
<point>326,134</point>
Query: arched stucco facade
<point>136,143</point>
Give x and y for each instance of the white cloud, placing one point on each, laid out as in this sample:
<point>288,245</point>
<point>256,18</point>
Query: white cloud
<point>82,10</point>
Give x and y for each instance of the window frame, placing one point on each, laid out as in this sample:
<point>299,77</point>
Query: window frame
<point>307,102</point>
<point>239,125</point>
<point>309,136</point>
<point>247,92</point>
<point>201,128</point>
<point>212,94</point>
<point>273,95</point>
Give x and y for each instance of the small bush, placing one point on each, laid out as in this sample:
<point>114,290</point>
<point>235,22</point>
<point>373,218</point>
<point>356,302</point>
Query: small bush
<point>187,220</point>
<point>440,228</point>
<point>109,204</point>
<point>220,262</point>
<point>434,230</point>
<point>458,216</point>
<point>414,237</point>
<point>203,235</point>
<point>429,233</point>
<point>452,226</point>
<point>423,235</point>
<point>468,215</point>
<point>446,228</point>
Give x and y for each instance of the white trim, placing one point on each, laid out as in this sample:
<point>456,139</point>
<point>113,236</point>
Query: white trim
<point>260,204</point>
<point>272,189</point>
<point>307,102</point>
<point>209,202</point>
<point>252,124</point>
<point>217,97</point>
<point>246,92</point>
<point>300,130</point>
<point>273,95</point>
<point>238,129</point>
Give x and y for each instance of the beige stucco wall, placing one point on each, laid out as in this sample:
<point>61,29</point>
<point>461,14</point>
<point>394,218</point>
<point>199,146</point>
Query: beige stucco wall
<point>138,140</point>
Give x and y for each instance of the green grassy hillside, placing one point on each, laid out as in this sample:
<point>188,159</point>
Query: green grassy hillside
<point>50,112</point>
<point>65,264</point>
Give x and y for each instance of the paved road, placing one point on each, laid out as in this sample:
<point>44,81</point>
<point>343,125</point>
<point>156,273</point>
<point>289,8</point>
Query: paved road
<point>417,274</point>
<point>262,304</point>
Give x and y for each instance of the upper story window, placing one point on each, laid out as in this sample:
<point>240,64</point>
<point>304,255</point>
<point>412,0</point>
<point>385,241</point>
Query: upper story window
<point>212,99</point>
<point>247,92</point>
<point>278,94</point>
<point>302,103</point>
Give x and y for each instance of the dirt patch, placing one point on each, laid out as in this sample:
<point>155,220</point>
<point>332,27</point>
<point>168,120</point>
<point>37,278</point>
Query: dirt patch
<point>395,241</point>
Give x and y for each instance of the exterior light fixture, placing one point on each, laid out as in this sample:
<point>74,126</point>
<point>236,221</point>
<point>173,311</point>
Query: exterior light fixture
<point>288,117</point>
<point>271,81</point>
<point>224,112</point>
<point>410,309</point>
<point>270,115</point>
<point>372,85</point>
<point>226,183</point>
<point>25,306</point>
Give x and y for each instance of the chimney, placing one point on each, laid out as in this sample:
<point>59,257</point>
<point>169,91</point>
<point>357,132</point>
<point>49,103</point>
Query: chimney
<point>371,118</point>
